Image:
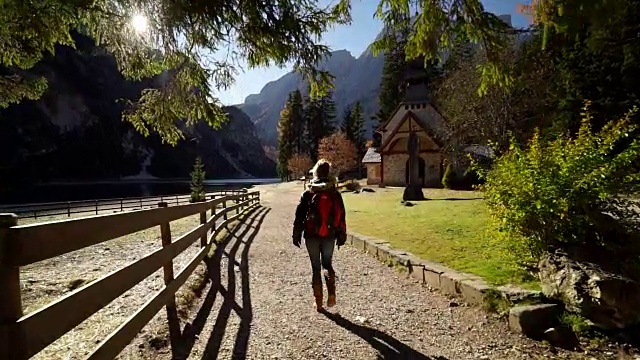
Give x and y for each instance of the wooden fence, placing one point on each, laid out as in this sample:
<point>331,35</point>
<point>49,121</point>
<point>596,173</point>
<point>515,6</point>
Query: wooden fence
<point>21,337</point>
<point>97,205</point>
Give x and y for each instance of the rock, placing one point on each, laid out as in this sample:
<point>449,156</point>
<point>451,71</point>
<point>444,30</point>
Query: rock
<point>533,320</point>
<point>453,304</point>
<point>609,300</point>
<point>368,190</point>
<point>516,294</point>
<point>561,337</point>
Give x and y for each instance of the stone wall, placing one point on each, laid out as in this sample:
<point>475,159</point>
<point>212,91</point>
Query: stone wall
<point>395,169</point>
<point>373,174</point>
<point>432,173</point>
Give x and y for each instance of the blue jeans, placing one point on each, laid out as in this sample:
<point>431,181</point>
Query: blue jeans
<point>320,252</point>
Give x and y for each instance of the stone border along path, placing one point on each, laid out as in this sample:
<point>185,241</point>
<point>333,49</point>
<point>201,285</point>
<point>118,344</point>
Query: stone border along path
<point>528,314</point>
<point>260,306</point>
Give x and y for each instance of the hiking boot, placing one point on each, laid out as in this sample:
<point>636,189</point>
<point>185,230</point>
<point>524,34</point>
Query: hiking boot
<point>317,294</point>
<point>331,289</point>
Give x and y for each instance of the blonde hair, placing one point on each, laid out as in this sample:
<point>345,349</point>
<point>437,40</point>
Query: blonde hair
<point>322,169</point>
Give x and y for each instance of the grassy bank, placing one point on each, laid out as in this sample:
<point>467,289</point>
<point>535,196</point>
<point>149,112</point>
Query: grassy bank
<point>451,228</point>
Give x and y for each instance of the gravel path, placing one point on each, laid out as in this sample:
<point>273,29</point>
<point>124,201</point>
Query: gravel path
<point>381,314</point>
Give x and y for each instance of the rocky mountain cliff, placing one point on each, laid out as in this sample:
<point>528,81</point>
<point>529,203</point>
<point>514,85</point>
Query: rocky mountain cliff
<point>75,130</point>
<point>356,79</point>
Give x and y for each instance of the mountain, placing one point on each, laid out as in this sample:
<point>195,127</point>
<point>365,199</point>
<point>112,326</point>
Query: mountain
<point>356,79</point>
<point>75,131</point>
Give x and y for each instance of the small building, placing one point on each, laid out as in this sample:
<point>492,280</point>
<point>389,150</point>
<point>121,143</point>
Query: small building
<point>422,118</point>
<point>388,164</point>
<point>371,161</point>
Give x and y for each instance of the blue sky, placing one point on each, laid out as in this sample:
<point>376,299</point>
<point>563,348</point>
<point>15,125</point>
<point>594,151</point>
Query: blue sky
<point>355,38</point>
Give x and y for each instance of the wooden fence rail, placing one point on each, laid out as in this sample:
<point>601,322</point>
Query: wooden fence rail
<point>21,337</point>
<point>95,206</point>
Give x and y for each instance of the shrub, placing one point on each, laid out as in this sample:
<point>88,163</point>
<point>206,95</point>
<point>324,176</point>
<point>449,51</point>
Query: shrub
<point>449,177</point>
<point>352,185</point>
<point>566,192</point>
<point>197,181</point>
<point>471,179</point>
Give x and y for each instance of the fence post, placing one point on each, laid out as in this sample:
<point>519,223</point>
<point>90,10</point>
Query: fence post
<point>68,209</point>
<point>172,312</point>
<point>140,203</point>
<point>224,209</point>
<point>121,205</point>
<point>96,207</point>
<point>177,200</point>
<point>213,211</point>
<point>11,342</point>
<point>203,220</point>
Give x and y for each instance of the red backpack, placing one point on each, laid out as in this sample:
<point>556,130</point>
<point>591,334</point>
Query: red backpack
<point>323,216</point>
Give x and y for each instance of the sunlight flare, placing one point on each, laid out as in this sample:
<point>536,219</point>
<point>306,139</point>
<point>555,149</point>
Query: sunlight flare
<point>139,23</point>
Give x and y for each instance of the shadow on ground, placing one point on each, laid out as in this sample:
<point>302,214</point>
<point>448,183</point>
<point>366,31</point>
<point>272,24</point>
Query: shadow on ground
<point>243,234</point>
<point>458,199</point>
<point>388,347</point>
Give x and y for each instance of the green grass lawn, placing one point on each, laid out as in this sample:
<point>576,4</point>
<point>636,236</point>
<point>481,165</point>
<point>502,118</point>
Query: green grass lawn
<point>451,228</point>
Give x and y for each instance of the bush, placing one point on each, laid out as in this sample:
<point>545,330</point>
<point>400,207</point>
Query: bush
<point>471,179</point>
<point>449,177</point>
<point>566,192</point>
<point>197,181</point>
<point>352,185</point>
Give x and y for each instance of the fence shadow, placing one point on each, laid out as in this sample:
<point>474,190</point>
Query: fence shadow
<point>244,233</point>
<point>387,346</point>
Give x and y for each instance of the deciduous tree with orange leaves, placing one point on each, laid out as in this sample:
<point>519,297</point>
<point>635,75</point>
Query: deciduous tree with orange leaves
<point>339,151</point>
<point>299,165</point>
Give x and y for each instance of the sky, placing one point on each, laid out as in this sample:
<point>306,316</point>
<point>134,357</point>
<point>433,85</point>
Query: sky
<point>354,38</point>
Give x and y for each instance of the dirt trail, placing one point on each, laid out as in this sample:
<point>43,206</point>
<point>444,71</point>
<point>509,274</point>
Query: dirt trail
<point>259,306</point>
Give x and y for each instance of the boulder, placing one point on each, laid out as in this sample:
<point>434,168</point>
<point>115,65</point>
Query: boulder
<point>609,300</point>
<point>562,337</point>
<point>533,320</point>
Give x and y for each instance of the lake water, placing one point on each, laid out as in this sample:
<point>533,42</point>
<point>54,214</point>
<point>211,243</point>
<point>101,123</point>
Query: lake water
<point>69,191</point>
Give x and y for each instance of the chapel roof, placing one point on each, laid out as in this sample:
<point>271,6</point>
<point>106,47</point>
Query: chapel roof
<point>371,156</point>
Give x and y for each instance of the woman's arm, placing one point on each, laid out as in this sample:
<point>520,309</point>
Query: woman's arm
<point>301,214</point>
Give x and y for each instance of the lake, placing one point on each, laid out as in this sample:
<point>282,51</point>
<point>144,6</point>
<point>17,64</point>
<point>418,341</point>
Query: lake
<point>70,191</point>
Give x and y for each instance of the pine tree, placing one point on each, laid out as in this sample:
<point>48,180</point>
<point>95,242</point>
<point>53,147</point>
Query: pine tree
<point>346,121</point>
<point>357,128</point>
<point>391,86</point>
<point>353,128</point>
<point>320,117</point>
<point>286,139</point>
<point>298,122</point>
<point>198,176</point>
<point>328,110</point>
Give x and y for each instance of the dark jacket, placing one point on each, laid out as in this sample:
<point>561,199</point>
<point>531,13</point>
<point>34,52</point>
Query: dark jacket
<point>317,185</point>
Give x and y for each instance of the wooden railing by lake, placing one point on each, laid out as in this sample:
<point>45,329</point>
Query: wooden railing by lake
<point>21,337</point>
<point>95,206</point>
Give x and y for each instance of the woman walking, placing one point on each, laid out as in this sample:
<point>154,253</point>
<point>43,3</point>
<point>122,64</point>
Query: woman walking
<point>320,218</point>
